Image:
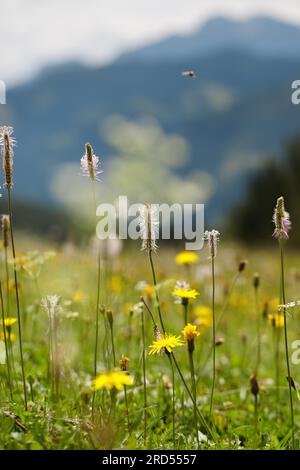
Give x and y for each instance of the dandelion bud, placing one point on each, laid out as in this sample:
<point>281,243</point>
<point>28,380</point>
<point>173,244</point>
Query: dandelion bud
<point>242,265</point>
<point>110,317</point>
<point>149,227</point>
<point>90,164</point>
<point>281,220</point>
<point>265,311</point>
<point>212,239</point>
<point>102,309</point>
<point>254,387</point>
<point>7,143</point>
<point>124,360</point>
<point>5,230</point>
<point>256,281</point>
<point>219,341</point>
<point>292,382</point>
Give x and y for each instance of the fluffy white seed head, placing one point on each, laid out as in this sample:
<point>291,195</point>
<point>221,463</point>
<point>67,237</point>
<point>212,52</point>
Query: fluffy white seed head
<point>50,304</point>
<point>212,239</point>
<point>149,226</point>
<point>90,164</point>
<point>281,220</point>
<point>7,143</point>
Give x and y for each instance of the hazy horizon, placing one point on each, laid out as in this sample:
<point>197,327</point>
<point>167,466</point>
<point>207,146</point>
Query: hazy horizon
<point>39,34</point>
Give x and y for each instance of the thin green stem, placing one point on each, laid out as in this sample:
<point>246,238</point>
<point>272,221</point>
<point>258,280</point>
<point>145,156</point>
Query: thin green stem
<point>194,391</point>
<point>144,378</point>
<point>156,293</point>
<point>5,343</point>
<point>214,337</point>
<point>258,327</point>
<point>127,409</point>
<point>173,401</point>
<point>208,430</point>
<point>17,297</point>
<point>286,342</point>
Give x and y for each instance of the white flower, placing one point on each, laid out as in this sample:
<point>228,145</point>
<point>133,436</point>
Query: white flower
<point>90,164</point>
<point>212,239</point>
<point>149,226</point>
<point>50,304</point>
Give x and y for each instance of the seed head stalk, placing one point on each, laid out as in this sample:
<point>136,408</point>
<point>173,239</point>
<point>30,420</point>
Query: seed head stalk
<point>144,377</point>
<point>5,343</point>
<point>17,295</point>
<point>286,341</point>
<point>214,336</point>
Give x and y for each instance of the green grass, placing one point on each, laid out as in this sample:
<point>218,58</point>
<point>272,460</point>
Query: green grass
<point>65,422</point>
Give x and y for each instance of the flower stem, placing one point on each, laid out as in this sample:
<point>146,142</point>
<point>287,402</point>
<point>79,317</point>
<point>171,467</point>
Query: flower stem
<point>192,398</point>
<point>214,337</point>
<point>258,325</point>
<point>144,378</point>
<point>17,296</point>
<point>173,400</point>
<point>6,343</point>
<point>286,342</point>
<point>194,391</point>
<point>156,293</point>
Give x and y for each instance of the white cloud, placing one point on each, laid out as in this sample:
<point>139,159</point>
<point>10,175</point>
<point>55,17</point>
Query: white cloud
<point>35,33</point>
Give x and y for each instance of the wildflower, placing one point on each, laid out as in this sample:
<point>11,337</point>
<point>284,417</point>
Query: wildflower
<point>276,319</point>
<point>149,226</point>
<point>146,289</point>
<point>124,360</point>
<point>112,380</point>
<point>190,332</point>
<point>203,316</point>
<point>116,284</point>
<point>289,305</point>
<point>7,143</point>
<point>184,294</point>
<point>9,335</point>
<point>281,220</point>
<point>78,296</point>
<point>219,341</point>
<point>5,229</point>
<point>256,280</point>
<point>242,265</point>
<point>166,343</point>
<point>10,321</point>
<point>186,257</point>
<point>212,239</point>
<point>90,164</point>
<point>50,304</point>
<point>254,387</point>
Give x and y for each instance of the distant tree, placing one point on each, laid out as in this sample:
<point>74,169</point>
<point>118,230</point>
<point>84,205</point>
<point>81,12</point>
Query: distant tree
<point>251,221</point>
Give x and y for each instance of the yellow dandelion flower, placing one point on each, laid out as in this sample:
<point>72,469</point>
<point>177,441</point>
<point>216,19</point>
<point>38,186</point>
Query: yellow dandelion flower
<point>203,316</point>
<point>78,296</point>
<point>116,284</point>
<point>166,343</point>
<point>9,335</point>
<point>148,291</point>
<point>185,293</point>
<point>112,380</point>
<point>9,321</point>
<point>273,305</point>
<point>276,319</point>
<point>186,257</point>
<point>190,332</point>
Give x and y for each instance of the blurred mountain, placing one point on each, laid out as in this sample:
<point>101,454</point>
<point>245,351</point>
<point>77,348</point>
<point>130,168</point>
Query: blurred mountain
<point>261,35</point>
<point>236,113</point>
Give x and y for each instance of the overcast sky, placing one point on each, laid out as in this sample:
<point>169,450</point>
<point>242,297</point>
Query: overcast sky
<point>35,33</point>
